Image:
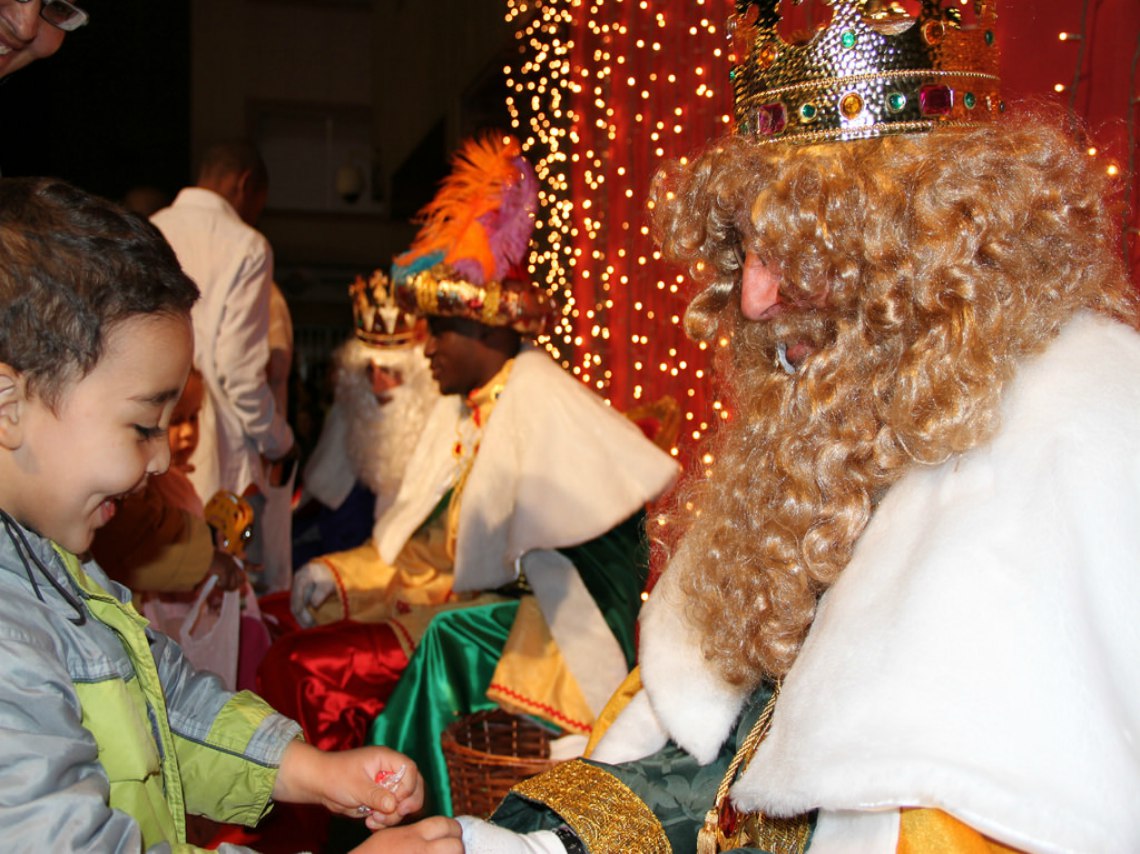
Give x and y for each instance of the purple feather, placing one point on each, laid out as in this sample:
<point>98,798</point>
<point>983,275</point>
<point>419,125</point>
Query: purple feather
<point>469,269</point>
<point>511,226</point>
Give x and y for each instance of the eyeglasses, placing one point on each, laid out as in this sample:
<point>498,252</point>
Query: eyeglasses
<point>60,13</point>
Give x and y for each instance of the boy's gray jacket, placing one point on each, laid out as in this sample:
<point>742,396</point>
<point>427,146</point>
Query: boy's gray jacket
<point>108,736</point>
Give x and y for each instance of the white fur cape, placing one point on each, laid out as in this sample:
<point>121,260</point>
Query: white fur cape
<point>981,651</point>
<point>556,467</point>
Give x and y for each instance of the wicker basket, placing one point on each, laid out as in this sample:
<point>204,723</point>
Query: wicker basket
<point>487,753</point>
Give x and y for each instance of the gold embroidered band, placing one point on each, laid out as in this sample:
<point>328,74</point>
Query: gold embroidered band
<point>605,813</point>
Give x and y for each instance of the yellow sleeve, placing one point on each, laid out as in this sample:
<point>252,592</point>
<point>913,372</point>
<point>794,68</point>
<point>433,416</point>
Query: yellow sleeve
<point>614,707</point>
<point>930,831</point>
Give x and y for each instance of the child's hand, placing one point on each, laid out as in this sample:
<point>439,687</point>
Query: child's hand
<point>437,835</point>
<point>367,782</point>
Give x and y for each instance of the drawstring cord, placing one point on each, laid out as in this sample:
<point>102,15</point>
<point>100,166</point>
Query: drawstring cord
<point>24,550</point>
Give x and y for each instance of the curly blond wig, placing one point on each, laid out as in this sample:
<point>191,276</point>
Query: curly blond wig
<point>916,272</point>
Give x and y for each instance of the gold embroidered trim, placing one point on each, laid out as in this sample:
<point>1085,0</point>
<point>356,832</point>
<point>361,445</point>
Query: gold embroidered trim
<point>605,813</point>
<point>492,296</point>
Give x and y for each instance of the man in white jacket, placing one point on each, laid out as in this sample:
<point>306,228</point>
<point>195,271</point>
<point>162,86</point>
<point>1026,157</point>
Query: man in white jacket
<point>211,229</point>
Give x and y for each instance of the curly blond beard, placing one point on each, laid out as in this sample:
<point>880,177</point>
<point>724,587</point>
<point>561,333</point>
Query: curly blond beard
<point>918,271</point>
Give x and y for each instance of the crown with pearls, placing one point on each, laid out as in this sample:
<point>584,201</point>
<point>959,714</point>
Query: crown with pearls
<point>377,320</point>
<point>875,69</point>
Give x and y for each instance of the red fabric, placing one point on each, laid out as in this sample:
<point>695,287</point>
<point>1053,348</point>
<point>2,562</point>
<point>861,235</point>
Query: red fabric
<point>289,828</point>
<point>278,617</point>
<point>333,680</point>
<point>253,643</point>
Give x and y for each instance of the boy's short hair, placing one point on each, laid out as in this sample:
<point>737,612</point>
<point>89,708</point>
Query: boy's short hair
<point>71,266</point>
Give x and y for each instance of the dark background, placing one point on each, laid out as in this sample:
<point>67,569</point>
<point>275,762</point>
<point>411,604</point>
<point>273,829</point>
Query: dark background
<point>112,109</point>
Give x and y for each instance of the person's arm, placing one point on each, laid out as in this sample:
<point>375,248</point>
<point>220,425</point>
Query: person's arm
<point>241,354</point>
<point>53,786</point>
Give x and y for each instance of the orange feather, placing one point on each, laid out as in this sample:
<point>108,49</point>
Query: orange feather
<point>481,169</point>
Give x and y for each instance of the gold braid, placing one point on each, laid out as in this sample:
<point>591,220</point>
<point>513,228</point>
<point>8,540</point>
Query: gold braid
<point>725,828</point>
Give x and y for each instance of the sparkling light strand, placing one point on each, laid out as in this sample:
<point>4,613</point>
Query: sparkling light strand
<point>1111,166</point>
<point>1132,233</point>
<point>603,91</point>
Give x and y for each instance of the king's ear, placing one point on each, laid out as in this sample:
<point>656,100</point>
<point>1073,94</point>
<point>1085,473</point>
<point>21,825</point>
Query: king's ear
<point>13,398</point>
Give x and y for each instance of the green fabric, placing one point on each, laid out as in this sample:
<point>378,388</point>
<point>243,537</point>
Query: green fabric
<point>450,671</point>
<point>145,781</point>
<point>677,788</point>
<point>615,569</point>
<point>447,677</point>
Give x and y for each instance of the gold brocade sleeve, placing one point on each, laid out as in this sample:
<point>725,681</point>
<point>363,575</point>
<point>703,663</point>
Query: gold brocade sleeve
<point>605,813</point>
<point>930,831</point>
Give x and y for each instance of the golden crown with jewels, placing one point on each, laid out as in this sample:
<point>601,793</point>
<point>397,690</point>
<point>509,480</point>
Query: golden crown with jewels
<point>377,320</point>
<point>878,67</point>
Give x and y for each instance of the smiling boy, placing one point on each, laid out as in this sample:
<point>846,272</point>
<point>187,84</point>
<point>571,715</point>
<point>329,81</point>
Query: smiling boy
<point>108,737</point>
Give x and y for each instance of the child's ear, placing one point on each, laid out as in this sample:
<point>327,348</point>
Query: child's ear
<point>12,400</point>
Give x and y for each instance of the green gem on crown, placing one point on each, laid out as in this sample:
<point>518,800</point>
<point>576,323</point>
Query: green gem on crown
<point>970,100</point>
<point>861,74</point>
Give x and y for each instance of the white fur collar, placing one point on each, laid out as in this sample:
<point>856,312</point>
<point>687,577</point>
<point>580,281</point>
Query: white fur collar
<point>993,601</point>
<point>556,467</point>
<point>701,715</point>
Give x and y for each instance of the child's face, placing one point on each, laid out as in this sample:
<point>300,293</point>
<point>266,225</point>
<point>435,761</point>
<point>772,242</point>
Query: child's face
<point>183,431</point>
<point>108,433</point>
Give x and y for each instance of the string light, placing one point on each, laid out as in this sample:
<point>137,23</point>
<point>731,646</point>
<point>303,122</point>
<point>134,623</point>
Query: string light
<point>1111,167</point>
<point>602,92</point>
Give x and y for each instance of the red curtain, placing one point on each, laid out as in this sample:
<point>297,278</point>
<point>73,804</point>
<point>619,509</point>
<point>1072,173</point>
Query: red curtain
<point>605,90</point>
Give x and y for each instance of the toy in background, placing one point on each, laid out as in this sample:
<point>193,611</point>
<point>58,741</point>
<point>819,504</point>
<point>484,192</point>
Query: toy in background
<point>219,626</point>
<point>232,521</point>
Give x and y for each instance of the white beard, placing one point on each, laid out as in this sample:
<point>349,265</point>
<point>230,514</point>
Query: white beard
<point>381,437</point>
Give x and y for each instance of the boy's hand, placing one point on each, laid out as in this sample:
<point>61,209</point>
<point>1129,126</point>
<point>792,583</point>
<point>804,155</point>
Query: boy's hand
<point>437,835</point>
<point>366,782</point>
